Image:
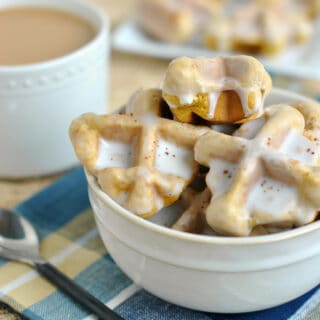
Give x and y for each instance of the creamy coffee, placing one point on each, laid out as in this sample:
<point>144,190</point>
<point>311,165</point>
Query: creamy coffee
<point>34,34</point>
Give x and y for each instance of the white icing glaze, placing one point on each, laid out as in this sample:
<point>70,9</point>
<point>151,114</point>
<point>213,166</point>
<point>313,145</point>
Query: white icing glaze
<point>220,176</point>
<point>113,154</point>
<point>148,119</point>
<point>213,99</point>
<point>298,147</point>
<point>271,198</point>
<point>185,99</point>
<point>173,159</point>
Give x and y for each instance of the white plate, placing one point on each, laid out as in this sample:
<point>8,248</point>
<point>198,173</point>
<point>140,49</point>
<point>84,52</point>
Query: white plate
<point>302,61</point>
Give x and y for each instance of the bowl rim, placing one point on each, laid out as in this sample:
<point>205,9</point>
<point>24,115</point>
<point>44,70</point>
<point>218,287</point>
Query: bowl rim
<point>101,32</point>
<point>205,239</point>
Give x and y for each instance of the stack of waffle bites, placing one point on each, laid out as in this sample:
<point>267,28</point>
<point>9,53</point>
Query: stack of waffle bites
<point>261,27</point>
<point>206,138</point>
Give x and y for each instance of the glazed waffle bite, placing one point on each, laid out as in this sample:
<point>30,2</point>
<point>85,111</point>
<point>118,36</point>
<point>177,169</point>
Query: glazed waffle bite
<point>267,174</point>
<point>162,21</point>
<point>220,90</point>
<point>176,21</point>
<point>259,27</point>
<point>129,154</point>
<point>259,30</point>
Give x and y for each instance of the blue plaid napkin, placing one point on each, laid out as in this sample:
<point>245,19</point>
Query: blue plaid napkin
<point>70,240</point>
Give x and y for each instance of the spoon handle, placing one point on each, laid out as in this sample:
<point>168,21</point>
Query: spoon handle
<point>76,292</point>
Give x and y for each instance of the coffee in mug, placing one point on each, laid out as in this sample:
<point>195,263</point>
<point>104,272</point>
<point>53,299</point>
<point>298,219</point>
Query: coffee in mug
<point>36,34</point>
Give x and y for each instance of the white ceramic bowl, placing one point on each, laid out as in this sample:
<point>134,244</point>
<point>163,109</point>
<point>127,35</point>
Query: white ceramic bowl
<point>38,101</point>
<point>209,273</point>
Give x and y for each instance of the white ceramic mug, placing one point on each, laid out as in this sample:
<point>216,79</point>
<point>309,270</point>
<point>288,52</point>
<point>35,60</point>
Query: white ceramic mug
<point>38,101</point>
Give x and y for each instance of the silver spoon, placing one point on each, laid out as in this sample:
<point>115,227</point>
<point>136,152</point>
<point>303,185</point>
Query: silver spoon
<point>19,242</point>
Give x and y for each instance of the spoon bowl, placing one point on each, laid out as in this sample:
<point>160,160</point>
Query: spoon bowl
<point>18,239</point>
<point>10,226</point>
